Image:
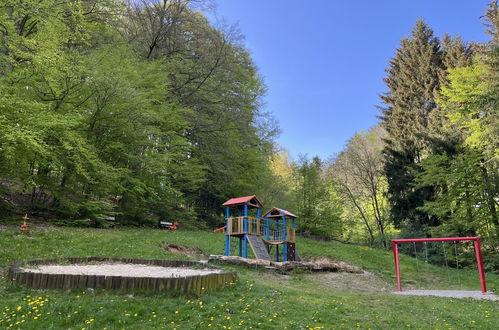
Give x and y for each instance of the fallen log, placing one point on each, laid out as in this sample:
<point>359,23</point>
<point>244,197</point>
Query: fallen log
<point>288,266</point>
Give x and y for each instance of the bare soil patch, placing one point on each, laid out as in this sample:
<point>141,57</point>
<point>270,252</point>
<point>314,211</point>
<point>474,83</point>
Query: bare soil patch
<point>352,282</point>
<point>185,251</point>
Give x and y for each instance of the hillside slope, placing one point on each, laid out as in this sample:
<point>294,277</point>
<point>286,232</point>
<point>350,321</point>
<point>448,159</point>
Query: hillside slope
<point>261,298</point>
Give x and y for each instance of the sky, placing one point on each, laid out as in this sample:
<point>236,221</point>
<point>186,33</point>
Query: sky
<point>323,61</point>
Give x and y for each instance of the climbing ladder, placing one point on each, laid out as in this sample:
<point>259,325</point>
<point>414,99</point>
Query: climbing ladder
<point>258,247</point>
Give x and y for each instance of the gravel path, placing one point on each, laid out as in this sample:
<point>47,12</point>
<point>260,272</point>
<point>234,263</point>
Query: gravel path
<point>116,269</point>
<point>450,294</point>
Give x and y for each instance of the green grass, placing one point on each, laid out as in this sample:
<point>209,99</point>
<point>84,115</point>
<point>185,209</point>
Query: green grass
<point>260,299</point>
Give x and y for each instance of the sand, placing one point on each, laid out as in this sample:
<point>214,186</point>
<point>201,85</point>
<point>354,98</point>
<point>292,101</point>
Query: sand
<point>117,269</point>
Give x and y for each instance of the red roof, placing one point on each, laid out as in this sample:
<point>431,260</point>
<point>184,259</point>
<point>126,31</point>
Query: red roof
<point>241,200</point>
<point>279,212</point>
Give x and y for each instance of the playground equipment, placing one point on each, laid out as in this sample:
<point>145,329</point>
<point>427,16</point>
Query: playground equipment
<point>219,229</point>
<point>261,233</point>
<point>476,243</point>
<point>168,225</point>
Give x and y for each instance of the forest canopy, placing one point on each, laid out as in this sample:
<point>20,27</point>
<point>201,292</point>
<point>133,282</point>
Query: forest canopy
<point>143,109</point>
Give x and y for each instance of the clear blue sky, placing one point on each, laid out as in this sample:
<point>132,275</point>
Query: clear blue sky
<point>323,60</point>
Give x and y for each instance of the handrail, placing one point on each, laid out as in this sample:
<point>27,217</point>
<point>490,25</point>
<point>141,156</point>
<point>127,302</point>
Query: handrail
<point>258,227</point>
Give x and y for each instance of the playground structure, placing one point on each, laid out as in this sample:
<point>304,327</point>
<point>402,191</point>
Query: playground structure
<point>476,244</point>
<point>171,226</point>
<point>245,223</point>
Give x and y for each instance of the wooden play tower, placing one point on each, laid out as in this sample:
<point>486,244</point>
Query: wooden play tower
<point>244,222</point>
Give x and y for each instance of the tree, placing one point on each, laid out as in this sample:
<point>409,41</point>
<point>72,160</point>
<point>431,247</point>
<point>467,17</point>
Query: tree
<point>145,109</point>
<point>213,75</point>
<point>413,81</point>
<point>277,185</point>
<point>358,171</point>
<point>319,206</point>
<point>466,180</point>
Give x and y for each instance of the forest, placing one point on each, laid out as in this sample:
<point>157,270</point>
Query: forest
<point>147,110</point>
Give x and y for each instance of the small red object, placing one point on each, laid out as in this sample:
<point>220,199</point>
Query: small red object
<point>173,227</point>
<point>24,226</point>
<point>219,229</point>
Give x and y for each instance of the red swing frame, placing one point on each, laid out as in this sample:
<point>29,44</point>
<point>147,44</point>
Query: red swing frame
<point>476,243</point>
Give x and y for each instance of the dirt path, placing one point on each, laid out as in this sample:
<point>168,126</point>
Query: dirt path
<point>449,294</point>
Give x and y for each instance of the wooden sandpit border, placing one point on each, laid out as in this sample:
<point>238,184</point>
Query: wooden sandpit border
<point>195,283</point>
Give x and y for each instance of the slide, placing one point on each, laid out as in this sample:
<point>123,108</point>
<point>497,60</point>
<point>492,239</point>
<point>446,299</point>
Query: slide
<point>258,247</point>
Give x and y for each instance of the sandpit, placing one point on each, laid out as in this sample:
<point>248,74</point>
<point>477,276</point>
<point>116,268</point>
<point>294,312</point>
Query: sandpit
<point>120,269</point>
<point>120,273</point>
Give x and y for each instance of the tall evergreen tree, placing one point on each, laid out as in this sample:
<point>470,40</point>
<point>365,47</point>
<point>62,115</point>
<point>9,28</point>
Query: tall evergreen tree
<point>413,81</point>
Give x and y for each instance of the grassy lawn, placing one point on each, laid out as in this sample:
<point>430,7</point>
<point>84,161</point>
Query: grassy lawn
<point>260,299</point>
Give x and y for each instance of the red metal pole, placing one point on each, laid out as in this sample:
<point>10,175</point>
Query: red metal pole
<point>439,239</point>
<point>397,266</point>
<point>478,253</point>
